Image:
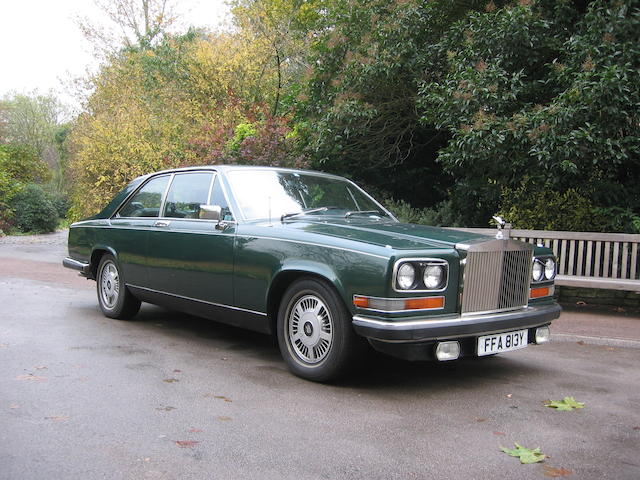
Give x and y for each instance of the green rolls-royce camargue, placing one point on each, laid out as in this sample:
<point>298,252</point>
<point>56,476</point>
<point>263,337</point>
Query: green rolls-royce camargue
<point>316,261</point>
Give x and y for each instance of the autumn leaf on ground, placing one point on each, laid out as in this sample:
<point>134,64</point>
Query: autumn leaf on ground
<point>566,404</point>
<point>40,367</point>
<point>222,397</point>
<point>186,443</point>
<point>525,455</point>
<point>171,380</point>
<point>555,472</point>
<point>58,418</point>
<point>224,419</point>
<point>195,430</point>
<point>31,377</point>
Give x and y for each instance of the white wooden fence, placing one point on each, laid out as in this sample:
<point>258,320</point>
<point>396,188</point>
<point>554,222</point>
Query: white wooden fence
<point>587,259</point>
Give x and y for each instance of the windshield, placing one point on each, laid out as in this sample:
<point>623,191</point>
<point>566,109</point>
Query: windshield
<point>263,194</point>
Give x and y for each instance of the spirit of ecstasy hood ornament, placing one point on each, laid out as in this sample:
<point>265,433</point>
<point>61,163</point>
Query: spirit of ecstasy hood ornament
<point>500,223</point>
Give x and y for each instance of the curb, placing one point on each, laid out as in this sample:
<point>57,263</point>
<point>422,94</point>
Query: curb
<point>603,341</point>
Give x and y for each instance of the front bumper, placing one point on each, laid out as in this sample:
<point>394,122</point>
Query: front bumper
<point>428,329</point>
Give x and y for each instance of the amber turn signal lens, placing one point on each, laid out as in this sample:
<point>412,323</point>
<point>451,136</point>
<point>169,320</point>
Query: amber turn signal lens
<point>362,302</point>
<point>423,303</point>
<point>540,292</point>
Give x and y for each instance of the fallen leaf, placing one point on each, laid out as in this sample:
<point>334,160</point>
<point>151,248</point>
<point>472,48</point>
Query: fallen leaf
<point>166,409</point>
<point>195,430</point>
<point>555,472</point>
<point>224,419</point>
<point>525,455</point>
<point>40,367</point>
<point>34,378</point>
<point>58,418</point>
<point>580,342</point>
<point>499,433</point>
<point>480,420</point>
<point>186,443</point>
<point>170,380</point>
<point>177,371</point>
<point>222,397</point>
<point>566,404</point>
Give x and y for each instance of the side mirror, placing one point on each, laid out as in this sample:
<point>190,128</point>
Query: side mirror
<point>210,212</point>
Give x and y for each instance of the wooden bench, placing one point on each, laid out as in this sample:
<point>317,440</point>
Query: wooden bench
<point>586,259</point>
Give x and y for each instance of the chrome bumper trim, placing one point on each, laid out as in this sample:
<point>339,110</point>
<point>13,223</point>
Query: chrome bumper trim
<point>82,267</point>
<point>453,326</point>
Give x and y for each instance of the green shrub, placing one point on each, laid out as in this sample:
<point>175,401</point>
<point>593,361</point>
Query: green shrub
<point>33,210</point>
<point>60,202</point>
<point>537,208</point>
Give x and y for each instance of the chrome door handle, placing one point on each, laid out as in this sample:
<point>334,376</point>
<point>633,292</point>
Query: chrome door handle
<point>161,223</point>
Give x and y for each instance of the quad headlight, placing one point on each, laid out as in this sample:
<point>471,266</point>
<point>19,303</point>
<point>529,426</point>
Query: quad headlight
<point>544,269</point>
<point>538,270</point>
<point>550,269</point>
<point>421,275</point>
<point>406,276</point>
<point>434,276</point>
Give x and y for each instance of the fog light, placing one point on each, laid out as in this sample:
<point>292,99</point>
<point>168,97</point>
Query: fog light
<point>447,351</point>
<point>543,334</point>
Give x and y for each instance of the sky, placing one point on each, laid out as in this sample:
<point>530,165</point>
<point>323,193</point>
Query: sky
<point>41,48</point>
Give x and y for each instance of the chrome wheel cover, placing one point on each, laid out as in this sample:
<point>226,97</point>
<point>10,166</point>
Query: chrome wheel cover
<point>310,329</point>
<point>109,285</point>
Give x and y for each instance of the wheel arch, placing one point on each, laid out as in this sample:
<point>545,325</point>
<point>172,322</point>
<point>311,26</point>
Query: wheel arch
<point>96,254</point>
<point>284,278</point>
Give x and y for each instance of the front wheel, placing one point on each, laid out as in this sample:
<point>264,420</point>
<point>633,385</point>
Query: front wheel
<point>315,335</point>
<point>115,300</point>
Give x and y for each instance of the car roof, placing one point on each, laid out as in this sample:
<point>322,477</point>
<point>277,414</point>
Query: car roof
<point>227,168</point>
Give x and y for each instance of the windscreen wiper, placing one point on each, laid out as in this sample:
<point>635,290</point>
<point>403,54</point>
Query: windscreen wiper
<point>362,212</point>
<point>304,212</point>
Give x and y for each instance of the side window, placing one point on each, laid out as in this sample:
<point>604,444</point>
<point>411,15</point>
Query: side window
<point>187,192</point>
<point>218,198</point>
<point>146,203</point>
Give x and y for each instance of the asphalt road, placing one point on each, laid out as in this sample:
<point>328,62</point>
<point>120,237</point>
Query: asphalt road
<point>170,396</point>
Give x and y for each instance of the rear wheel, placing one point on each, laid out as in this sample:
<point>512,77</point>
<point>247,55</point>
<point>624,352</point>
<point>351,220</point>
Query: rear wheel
<point>315,335</point>
<point>114,298</point>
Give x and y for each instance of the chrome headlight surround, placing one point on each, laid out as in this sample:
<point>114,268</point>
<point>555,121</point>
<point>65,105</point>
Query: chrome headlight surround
<point>544,269</point>
<point>420,266</point>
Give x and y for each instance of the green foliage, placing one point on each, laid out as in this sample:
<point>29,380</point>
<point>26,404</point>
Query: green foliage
<point>537,207</point>
<point>22,164</point>
<point>543,91</point>
<point>525,455</point>
<point>242,131</point>
<point>34,211</point>
<point>566,404</point>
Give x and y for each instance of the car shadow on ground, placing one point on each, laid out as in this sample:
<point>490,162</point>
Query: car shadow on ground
<point>377,372</point>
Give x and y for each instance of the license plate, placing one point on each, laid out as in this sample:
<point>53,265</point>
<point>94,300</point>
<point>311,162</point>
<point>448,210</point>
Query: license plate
<point>502,342</point>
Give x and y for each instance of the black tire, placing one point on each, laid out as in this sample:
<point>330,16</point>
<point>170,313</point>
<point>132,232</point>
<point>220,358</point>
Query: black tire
<point>114,298</point>
<point>310,312</point>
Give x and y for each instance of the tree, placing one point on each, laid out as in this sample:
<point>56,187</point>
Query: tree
<point>537,98</point>
<point>135,24</point>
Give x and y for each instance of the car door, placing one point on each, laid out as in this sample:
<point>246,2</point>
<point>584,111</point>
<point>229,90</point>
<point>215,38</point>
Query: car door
<point>189,257</point>
<point>128,234</point>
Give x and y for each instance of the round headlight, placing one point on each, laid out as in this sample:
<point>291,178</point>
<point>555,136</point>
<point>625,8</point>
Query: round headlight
<point>538,270</point>
<point>406,276</point>
<point>549,269</point>
<point>433,277</point>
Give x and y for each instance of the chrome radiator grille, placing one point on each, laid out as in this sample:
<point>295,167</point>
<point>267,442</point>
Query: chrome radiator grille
<point>496,280</point>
